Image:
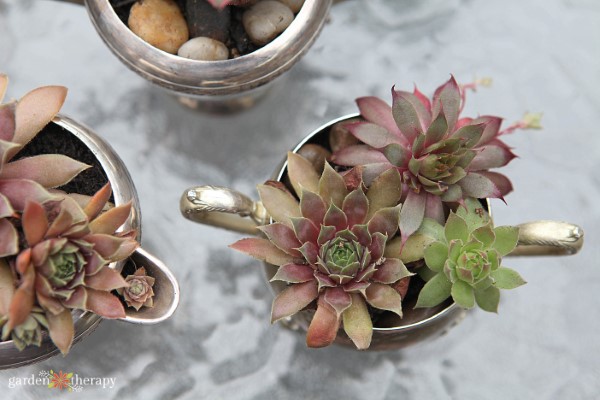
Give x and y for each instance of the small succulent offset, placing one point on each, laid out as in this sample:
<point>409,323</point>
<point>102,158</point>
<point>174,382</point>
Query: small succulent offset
<point>139,293</point>
<point>329,247</point>
<point>464,260</point>
<point>54,249</point>
<point>441,156</point>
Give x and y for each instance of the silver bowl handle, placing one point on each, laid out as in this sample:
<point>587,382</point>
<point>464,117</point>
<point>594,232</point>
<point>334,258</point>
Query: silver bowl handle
<point>226,208</point>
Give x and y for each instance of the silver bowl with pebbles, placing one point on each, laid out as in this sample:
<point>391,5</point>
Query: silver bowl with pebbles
<point>210,59</point>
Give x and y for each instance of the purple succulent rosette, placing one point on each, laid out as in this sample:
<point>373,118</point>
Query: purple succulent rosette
<point>441,156</point>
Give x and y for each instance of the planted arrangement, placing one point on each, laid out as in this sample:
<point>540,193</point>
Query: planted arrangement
<point>394,211</point>
<point>207,30</point>
<point>55,247</point>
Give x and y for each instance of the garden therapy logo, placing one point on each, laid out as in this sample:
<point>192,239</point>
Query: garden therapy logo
<point>59,380</point>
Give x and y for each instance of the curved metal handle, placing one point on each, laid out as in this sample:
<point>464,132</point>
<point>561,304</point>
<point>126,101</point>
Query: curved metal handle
<point>548,238</point>
<point>223,208</point>
<point>229,209</point>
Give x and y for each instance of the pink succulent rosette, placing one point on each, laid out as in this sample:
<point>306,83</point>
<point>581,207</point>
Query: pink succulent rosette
<point>28,178</point>
<point>139,292</point>
<point>54,252</point>
<point>441,156</point>
<point>65,263</point>
<point>330,249</point>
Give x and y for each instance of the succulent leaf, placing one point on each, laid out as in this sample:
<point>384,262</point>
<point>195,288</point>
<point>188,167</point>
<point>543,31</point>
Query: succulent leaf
<point>447,98</point>
<point>507,238</point>
<point>264,250</point>
<point>412,214</point>
<point>9,239</point>
<point>280,204</point>
<point>456,228</point>
<point>372,134</point>
<point>302,174</point>
<point>488,299</point>
<point>359,154</point>
<point>435,291</point>
<point>324,326</point>
<point>293,299</point>
<point>436,255</point>
<point>49,170</point>
<point>61,330</point>
<point>332,187</point>
<point>384,297</point>
<point>357,323</point>
<point>35,110</point>
<point>294,273</point>
<point>385,191</point>
<point>312,207</point>
<point>406,115</point>
<point>377,111</point>
<point>463,294</point>
<point>506,278</point>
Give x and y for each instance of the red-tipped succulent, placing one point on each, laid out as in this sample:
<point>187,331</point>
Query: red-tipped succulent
<point>441,156</point>
<point>28,178</point>
<point>54,253</point>
<point>139,292</point>
<point>329,247</point>
<point>64,264</point>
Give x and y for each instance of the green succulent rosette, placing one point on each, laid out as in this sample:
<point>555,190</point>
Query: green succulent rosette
<point>464,260</point>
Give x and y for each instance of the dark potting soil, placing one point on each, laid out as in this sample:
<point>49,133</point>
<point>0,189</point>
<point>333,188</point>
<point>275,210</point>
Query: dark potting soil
<point>54,139</point>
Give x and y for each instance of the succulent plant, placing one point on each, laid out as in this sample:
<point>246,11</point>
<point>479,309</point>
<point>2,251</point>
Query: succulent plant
<point>28,178</point>
<point>329,247</point>
<point>54,252</point>
<point>465,260</point>
<point>441,157</point>
<point>27,333</point>
<point>139,293</point>
<point>64,264</point>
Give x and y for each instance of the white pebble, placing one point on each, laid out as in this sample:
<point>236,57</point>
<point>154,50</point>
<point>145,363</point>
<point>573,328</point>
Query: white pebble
<point>265,20</point>
<point>294,5</point>
<point>204,49</point>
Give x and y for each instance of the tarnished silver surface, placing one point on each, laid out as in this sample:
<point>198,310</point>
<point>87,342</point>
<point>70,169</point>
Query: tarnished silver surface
<point>227,85</point>
<point>543,56</point>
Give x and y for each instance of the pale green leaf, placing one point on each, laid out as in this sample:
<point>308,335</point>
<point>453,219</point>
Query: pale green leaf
<point>506,278</point>
<point>506,239</point>
<point>463,295</point>
<point>434,292</point>
<point>488,299</point>
<point>436,255</point>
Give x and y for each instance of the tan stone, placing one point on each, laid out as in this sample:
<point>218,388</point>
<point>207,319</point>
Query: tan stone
<point>264,21</point>
<point>160,23</point>
<point>204,49</point>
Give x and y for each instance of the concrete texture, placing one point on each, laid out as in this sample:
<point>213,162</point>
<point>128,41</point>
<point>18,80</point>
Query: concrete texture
<point>543,56</point>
